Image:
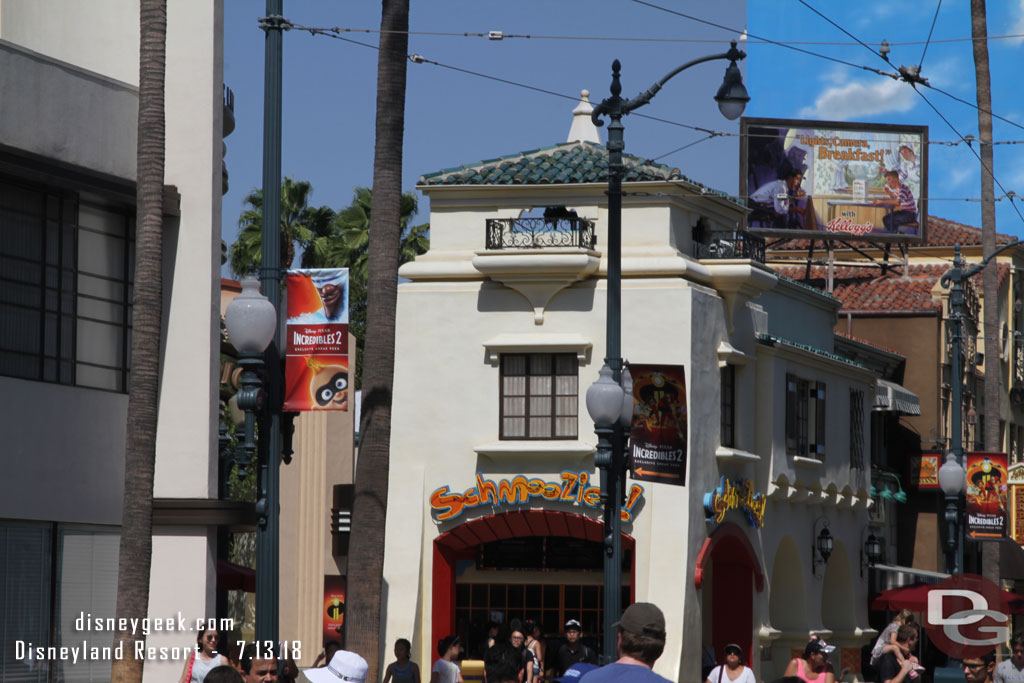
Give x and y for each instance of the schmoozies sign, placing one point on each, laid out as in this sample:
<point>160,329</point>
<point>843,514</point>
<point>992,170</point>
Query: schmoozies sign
<point>572,487</point>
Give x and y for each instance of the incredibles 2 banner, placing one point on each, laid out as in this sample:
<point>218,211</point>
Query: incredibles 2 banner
<point>316,348</point>
<point>986,496</point>
<point>658,434</point>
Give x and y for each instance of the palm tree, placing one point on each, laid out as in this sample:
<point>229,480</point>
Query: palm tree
<point>301,226</point>
<point>346,247</point>
<point>136,545</point>
<point>989,281</point>
<point>366,549</point>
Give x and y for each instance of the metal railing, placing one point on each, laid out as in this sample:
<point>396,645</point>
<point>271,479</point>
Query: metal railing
<point>731,244</point>
<point>540,233</point>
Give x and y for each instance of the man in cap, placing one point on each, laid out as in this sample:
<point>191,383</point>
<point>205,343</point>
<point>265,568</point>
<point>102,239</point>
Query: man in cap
<point>641,640</point>
<point>344,667</point>
<point>574,651</point>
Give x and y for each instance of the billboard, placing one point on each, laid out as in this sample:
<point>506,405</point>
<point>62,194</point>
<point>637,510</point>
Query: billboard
<point>658,433</point>
<point>986,496</point>
<point>835,180</point>
<point>316,348</point>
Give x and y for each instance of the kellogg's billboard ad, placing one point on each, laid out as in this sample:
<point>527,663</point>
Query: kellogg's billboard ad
<point>842,180</point>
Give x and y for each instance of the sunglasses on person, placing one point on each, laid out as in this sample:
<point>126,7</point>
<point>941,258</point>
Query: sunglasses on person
<point>733,651</point>
<point>973,665</point>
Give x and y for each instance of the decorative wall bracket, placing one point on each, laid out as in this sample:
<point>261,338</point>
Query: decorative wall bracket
<point>537,274</point>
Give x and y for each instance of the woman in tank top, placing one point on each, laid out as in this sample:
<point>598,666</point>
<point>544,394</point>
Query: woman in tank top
<point>203,659</point>
<point>813,667</point>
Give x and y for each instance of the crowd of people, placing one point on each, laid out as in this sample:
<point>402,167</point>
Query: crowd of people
<point>517,653</point>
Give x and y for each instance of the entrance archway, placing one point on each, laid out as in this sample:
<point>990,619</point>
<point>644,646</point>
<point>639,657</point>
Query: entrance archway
<point>462,542</point>
<point>737,573</point>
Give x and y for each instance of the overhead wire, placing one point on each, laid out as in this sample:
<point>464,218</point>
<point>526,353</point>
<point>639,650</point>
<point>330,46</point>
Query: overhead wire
<point>930,32</point>
<point>935,109</point>
<point>501,35</point>
<point>419,59</point>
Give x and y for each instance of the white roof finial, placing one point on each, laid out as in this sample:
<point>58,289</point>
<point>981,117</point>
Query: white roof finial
<point>583,129</point>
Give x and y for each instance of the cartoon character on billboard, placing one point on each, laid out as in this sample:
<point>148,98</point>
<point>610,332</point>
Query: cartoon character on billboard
<point>987,488</point>
<point>328,385</point>
<point>330,285</point>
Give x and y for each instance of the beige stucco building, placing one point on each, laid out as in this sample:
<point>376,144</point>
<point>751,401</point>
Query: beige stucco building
<point>501,329</point>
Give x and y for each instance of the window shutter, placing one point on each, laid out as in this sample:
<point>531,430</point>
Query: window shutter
<point>819,419</point>
<point>25,560</point>
<point>792,401</point>
<point>88,584</point>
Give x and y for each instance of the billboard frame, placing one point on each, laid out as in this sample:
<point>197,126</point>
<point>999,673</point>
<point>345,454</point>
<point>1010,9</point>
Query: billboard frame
<point>746,123</point>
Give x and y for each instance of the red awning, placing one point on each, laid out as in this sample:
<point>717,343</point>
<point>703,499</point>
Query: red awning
<point>235,577</point>
<point>915,598</point>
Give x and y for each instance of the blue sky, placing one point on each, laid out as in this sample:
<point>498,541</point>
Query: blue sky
<point>454,118</point>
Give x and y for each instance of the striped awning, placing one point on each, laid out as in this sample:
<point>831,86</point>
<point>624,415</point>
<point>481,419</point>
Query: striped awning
<point>892,397</point>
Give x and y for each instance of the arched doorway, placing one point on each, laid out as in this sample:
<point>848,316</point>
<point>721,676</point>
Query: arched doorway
<point>469,543</point>
<point>736,574</point>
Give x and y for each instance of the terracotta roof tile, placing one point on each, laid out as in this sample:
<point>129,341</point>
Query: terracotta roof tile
<point>866,290</point>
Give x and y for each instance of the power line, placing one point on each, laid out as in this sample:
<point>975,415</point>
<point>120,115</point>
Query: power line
<point>766,40</point>
<point>419,58</point>
<point>930,31</point>
<point>501,35</point>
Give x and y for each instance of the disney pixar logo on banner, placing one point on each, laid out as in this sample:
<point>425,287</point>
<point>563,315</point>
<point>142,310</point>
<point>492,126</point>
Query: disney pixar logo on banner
<point>966,615</point>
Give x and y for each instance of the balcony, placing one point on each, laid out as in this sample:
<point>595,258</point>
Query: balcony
<point>541,233</point>
<point>732,244</point>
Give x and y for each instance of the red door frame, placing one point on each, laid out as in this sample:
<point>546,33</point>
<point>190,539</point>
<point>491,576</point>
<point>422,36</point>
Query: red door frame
<point>736,563</point>
<point>460,543</point>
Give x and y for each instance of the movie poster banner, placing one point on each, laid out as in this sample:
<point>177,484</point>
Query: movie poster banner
<point>658,434</point>
<point>830,178</point>
<point>986,496</point>
<point>316,346</point>
<point>334,609</point>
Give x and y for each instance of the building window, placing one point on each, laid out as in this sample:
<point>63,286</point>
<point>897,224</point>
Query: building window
<point>728,408</point>
<point>65,287</point>
<point>857,429</point>
<point>805,417</point>
<point>539,395</point>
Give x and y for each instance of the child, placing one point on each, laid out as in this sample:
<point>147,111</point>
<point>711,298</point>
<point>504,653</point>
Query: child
<point>402,670</point>
<point>445,669</point>
<point>886,641</point>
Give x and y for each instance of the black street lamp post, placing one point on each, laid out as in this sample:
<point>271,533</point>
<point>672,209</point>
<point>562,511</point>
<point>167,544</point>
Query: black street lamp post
<point>606,400</point>
<point>952,475</point>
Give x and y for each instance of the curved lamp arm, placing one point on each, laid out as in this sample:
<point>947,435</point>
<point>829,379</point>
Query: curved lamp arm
<point>948,278</point>
<point>618,106</point>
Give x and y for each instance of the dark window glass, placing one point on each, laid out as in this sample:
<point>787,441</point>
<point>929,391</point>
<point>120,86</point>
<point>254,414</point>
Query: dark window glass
<point>539,396</point>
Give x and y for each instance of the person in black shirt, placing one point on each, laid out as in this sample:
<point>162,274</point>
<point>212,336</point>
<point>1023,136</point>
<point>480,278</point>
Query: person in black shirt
<point>890,669</point>
<point>574,651</point>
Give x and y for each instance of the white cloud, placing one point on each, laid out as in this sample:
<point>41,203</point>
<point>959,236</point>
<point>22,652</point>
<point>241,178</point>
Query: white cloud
<point>959,175</point>
<point>1017,27</point>
<point>858,99</point>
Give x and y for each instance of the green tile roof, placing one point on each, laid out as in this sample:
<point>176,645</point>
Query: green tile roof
<point>569,162</point>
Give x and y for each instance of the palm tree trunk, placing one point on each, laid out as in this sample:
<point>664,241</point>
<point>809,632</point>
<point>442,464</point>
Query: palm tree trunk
<point>990,286</point>
<point>366,548</point>
<point>136,548</point>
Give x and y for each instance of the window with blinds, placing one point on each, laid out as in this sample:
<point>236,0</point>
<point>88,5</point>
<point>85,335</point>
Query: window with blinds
<point>26,560</point>
<point>51,574</point>
<point>539,396</point>
<point>87,567</point>
<point>805,417</point>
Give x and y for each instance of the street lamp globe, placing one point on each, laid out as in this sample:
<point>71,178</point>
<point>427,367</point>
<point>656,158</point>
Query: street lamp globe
<point>604,398</point>
<point>732,96</point>
<point>952,477</point>
<point>250,319</point>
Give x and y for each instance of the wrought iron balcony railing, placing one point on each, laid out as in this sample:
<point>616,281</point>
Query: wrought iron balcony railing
<point>733,244</point>
<point>538,233</point>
